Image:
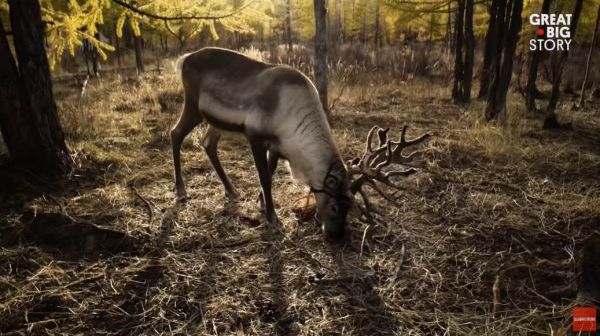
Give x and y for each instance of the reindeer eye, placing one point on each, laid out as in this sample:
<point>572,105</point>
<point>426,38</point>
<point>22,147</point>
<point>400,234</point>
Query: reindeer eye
<point>331,182</point>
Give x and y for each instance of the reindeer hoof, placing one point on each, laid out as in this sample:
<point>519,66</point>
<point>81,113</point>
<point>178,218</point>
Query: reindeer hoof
<point>181,196</point>
<point>181,199</point>
<point>234,197</point>
<point>273,220</point>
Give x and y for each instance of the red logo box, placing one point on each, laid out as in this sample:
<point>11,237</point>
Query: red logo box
<point>584,319</point>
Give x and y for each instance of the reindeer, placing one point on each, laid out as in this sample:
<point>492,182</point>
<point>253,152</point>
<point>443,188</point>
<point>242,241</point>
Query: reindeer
<point>278,110</point>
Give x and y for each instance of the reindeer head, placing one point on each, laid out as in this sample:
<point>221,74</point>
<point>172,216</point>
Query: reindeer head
<point>334,201</point>
<point>376,168</point>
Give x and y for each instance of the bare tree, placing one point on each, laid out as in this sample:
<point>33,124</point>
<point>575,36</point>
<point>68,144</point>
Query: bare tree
<point>458,52</point>
<point>449,34</point>
<point>558,64</point>
<point>531,89</point>
<point>288,24</point>
<point>490,49</point>
<point>139,61</point>
<point>463,64</point>
<point>469,51</point>
<point>589,60</point>
<point>118,51</point>
<point>508,25</point>
<point>338,28</point>
<point>28,119</point>
<point>320,66</point>
<point>377,35</point>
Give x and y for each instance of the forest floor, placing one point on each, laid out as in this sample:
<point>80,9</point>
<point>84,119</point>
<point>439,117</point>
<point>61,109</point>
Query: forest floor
<point>495,204</point>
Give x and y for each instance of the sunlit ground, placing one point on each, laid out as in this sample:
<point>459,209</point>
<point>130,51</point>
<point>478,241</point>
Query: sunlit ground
<point>489,198</point>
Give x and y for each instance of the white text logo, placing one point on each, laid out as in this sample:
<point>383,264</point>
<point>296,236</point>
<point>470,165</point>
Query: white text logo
<point>553,32</point>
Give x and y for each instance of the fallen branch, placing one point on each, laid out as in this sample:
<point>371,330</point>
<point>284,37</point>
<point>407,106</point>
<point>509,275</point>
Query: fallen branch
<point>146,202</point>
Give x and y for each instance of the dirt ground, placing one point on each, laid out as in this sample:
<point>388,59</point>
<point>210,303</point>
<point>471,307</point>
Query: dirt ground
<point>502,206</point>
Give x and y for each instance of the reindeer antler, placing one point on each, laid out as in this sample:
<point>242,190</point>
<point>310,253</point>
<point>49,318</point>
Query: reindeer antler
<point>378,165</point>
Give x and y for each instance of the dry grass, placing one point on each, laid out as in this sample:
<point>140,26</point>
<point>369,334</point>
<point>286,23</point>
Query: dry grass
<point>489,197</point>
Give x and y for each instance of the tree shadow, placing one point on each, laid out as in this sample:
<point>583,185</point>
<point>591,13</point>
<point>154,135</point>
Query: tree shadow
<point>274,309</point>
<point>18,187</point>
<point>136,292</point>
<point>584,137</point>
<point>211,281</point>
<point>369,314</point>
<point>127,311</point>
<point>67,238</point>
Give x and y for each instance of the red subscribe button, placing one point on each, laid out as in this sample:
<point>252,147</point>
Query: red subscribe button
<point>584,318</point>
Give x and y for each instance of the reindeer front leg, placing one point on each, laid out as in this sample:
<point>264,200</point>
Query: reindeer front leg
<point>189,118</point>
<point>259,152</point>
<point>272,160</point>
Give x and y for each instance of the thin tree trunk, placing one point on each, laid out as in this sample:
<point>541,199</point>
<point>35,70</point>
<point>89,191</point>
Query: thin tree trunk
<point>589,60</point>
<point>339,34</point>
<point>118,51</point>
<point>457,88</point>
<point>94,56</point>
<point>343,23</point>
<point>363,30</point>
<point>449,28</point>
<point>139,62</point>
<point>320,66</point>
<point>86,56</point>
<point>469,52</point>
<point>512,37</point>
<point>531,88</point>
<point>496,58</point>
<point>502,66</point>
<point>28,118</point>
<point>551,120</point>
<point>288,24</point>
<point>490,49</point>
<point>431,22</point>
<point>377,37</point>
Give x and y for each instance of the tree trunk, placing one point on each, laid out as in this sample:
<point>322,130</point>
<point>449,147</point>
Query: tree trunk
<point>363,30</point>
<point>139,62</point>
<point>288,24</point>
<point>551,120</point>
<point>118,51</point>
<point>589,59</point>
<point>340,24</point>
<point>182,43</point>
<point>502,66</point>
<point>531,88</point>
<point>28,118</point>
<point>490,49</point>
<point>449,35</point>
<point>457,88</point>
<point>86,57</point>
<point>320,66</point>
<point>94,56</point>
<point>463,61</point>
<point>469,52</point>
<point>377,37</point>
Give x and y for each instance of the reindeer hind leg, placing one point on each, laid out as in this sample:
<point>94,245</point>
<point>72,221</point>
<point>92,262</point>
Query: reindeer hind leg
<point>211,139</point>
